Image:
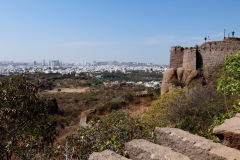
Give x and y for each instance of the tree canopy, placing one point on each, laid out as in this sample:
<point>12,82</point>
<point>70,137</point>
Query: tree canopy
<point>24,119</point>
<point>229,82</point>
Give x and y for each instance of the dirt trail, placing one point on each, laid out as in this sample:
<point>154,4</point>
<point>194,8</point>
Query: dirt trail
<point>69,90</point>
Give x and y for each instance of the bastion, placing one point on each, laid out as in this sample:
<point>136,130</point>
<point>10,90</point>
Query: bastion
<point>185,63</point>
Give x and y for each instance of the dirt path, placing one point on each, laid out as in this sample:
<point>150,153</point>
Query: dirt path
<point>69,90</point>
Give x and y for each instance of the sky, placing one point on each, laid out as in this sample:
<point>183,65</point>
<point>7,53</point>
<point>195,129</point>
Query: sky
<point>105,30</point>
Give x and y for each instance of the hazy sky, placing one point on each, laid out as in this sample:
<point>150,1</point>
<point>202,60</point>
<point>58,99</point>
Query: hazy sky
<point>102,30</point>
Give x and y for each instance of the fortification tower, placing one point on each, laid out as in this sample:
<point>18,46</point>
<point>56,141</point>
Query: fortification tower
<point>185,62</point>
<point>209,54</point>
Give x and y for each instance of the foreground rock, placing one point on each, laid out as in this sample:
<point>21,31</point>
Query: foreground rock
<point>106,155</point>
<point>197,148</point>
<point>229,132</point>
<point>144,150</point>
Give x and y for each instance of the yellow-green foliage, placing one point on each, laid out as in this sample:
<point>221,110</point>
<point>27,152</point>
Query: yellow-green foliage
<point>156,114</point>
<point>192,110</point>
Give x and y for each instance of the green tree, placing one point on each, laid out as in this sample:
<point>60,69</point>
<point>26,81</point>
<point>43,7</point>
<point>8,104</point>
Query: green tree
<point>229,82</point>
<point>24,119</point>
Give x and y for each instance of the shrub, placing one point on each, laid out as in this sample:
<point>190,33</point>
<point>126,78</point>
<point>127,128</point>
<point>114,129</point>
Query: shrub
<point>192,110</point>
<point>128,97</point>
<point>229,81</point>
<point>156,114</point>
<point>110,132</point>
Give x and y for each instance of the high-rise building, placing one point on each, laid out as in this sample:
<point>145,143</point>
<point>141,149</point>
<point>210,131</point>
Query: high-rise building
<point>44,62</point>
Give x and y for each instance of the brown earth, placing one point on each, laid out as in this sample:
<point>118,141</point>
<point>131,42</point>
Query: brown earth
<point>69,90</point>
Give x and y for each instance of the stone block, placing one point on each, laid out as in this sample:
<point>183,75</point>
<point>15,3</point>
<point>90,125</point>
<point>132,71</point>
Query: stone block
<point>106,155</point>
<point>144,150</point>
<point>196,147</point>
<point>229,132</point>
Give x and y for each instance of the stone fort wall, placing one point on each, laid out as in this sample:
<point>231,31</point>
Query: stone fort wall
<point>209,54</point>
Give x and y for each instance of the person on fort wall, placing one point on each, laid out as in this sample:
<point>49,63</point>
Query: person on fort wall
<point>233,33</point>
<point>207,39</point>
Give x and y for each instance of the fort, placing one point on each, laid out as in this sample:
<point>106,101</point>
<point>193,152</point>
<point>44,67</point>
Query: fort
<point>185,63</point>
<point>209,54</point>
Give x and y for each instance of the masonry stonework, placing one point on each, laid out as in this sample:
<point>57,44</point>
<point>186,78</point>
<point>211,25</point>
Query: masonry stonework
<point>209,54</point>
<point>176,56</point>
<point>190,59</point>
<point>186,62</point>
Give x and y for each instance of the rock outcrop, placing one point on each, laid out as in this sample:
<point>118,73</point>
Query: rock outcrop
<point>229,132</point>
<point>84,117</point>
<point>173,77</point>
<point>168,76</point>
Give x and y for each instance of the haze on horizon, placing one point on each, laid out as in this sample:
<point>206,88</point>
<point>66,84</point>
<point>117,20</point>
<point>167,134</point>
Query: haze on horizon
<point>102,30</point>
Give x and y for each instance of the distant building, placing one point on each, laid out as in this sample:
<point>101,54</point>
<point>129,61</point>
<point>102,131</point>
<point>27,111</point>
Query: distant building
<point>44,62</point>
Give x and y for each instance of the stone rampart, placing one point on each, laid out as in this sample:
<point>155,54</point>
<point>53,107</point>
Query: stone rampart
<point>209,54</point>
<point>190,59</point>
<point>214,53</point>
<point>176,57</point>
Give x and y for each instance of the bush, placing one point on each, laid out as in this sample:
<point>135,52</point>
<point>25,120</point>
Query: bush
<point>229,81</point>
<point>128,97</point>
<point>155,116</point>
<point>110,132</point>
<point>192,110</point>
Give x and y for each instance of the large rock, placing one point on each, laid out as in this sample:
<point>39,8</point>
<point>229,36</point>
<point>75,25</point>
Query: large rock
<point>180,72</point>
<point>84,117</point>
<point>177,77</point>
<point>191,76</point>
<point>106,155</point>
<point>196,147</point>
<point>144,150</point>
<point>229,132</point>
<point>168,76</point>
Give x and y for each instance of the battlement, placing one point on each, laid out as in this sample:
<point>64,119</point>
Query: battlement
<point>231,39</point>
<point>208,54</point>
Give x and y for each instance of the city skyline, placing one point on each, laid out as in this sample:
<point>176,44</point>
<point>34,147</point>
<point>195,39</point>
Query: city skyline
<point>125,31</point>
<point>49,62</point>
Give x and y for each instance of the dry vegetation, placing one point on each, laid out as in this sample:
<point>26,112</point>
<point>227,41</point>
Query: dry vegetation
<point>73,101</point>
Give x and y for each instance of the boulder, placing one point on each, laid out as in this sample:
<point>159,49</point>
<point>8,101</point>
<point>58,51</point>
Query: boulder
<point>180,73</point>
<point>177,77</point>
<point>106,155</point>
<point>84,117</point>
<point>229,132</point>
<point>196,147</point>
<point>192,75</point>
<point>144,150</point>
<point>168,76</point>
